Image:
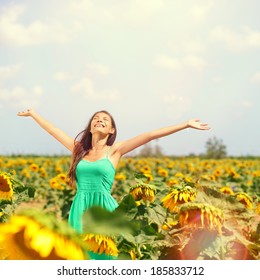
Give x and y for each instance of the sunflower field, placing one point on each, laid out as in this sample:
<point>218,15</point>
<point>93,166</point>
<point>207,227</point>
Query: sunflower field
<point>169,209</point>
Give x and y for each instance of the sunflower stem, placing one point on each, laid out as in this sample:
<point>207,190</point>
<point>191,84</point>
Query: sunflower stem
<point>139,252</point>
<point>222,254</point>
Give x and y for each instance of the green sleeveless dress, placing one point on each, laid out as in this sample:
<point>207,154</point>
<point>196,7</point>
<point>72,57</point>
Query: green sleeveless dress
<point>94,181</point>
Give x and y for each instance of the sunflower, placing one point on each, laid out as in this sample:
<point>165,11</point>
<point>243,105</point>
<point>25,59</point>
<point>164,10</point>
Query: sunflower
<point>58,169</point>
<point>233,174</point>
<point>34,236</point>
<point>244,199</point>
<point>217,172</point>
<point>179,175</point>
<point>62,177</point>
<point>6,186</point>
<point>55,184</point>
<point>120,177</point>
<point>163,172</point>
<point>178,195</point>
<point>172,182</point>
<point>26,173</point>
<point>34,167</point>
<point>199,216</point>
<point>100,244</point>
<point>226,190</point>
<point>43,172</point>
<point>59,182</point>
<point>146,169</point>
<point>143,191</point>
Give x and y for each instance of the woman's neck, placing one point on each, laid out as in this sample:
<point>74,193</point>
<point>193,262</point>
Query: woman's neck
<point>99,144</point>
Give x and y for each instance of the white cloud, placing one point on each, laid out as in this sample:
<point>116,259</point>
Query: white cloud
<point>20,98</point>
<point>187,61</point>
<point>201,12</point>
<point>133,12</point>
<point>37,90</point>
<point>195,62</point>
<point>91,68</point>
<point>17,34</point>
<point>255,79</point>
<point>62,76</point>
<point>247,38</point>
<point>99,68</point>
<point>85,88</point>
<point>136,11</point>
<point>167,62</point>
<point>9,71</point>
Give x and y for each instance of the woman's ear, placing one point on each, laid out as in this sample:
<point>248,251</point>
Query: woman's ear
<point>112,130</point>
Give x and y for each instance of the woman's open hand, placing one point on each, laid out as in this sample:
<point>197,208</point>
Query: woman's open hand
<point>195,123</point>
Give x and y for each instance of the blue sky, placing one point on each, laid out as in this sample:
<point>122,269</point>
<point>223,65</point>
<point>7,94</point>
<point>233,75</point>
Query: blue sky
<point>149,63</point>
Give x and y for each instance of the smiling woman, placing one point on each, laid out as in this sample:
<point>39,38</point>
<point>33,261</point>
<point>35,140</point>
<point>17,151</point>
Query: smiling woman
<point>95,157</point>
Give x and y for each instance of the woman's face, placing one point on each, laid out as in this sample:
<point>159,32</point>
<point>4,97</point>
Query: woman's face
<point>101,122</point>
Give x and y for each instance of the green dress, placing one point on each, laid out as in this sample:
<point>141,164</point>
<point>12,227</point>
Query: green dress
<point>94,181</point>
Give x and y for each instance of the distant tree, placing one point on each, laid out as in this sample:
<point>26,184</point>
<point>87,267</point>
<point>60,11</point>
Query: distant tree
<point>215,148</point>
<point>146,151</point>
<point>158,151</point>
<point>149,151</point>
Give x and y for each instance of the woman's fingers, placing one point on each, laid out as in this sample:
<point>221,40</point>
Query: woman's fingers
<point>24,113</point>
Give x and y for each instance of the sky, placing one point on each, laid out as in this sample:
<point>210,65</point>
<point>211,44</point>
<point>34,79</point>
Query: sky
<point>150,63</point>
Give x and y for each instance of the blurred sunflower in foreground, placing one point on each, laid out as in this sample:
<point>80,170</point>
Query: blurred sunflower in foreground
<point>32,235</point>
<point>101,244</point>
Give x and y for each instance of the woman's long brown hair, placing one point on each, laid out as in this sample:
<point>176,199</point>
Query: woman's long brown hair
<point>83,143</point>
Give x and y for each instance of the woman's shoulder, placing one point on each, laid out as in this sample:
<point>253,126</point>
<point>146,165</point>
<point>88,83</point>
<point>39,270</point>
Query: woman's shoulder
<point>115,149</point>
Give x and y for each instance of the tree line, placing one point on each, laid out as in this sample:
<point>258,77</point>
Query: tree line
<point>214,149</point>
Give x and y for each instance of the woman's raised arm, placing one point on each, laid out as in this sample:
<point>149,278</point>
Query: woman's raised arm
<point>135,142</point>
<point>58,134</point>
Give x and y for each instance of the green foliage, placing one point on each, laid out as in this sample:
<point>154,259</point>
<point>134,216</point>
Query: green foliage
<point>97,220</point>
<point>59,201</point>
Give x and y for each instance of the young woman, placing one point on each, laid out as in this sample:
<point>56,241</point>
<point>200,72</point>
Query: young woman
<point>95,157</point>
